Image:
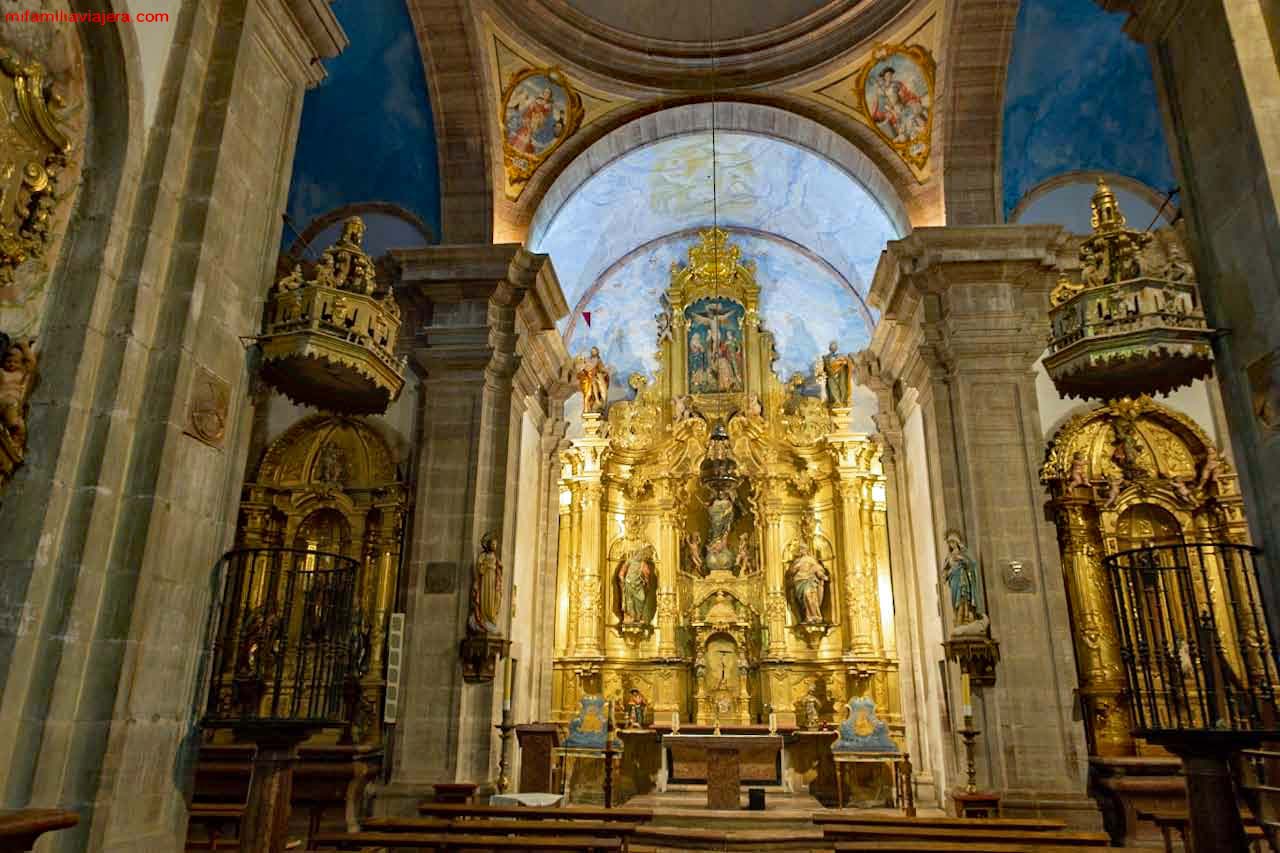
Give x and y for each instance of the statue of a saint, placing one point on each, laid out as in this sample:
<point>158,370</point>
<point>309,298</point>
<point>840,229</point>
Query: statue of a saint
<point>636,707</point>
<point>961,574</point>
<point>635,580</point>
<point>810,716</point>
<point>693,552</point>
<point>17,376</point>
<point>330,466</point>
<point>593,381</point>
<point>839,376</point>
<point>807,580</point>
<point>486,588</point>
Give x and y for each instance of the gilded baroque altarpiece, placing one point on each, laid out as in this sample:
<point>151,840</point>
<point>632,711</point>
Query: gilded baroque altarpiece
<point>723,543</point>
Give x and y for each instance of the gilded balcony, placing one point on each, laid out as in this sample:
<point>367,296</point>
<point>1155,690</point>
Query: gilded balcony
<point>1134,323</point>
<point>328,341</point>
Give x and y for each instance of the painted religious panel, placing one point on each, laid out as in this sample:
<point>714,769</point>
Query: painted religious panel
<point>895,92</point>
<point>715,345</point>
<point>540,110</point>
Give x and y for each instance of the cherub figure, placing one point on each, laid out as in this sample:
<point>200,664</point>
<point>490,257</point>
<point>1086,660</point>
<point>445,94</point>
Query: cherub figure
<point>324,271</point>
<point>1079,475</point>
<point>292,281</point>
<point>17,375</point>
<point>693,551</point>
<point>1213,462</point>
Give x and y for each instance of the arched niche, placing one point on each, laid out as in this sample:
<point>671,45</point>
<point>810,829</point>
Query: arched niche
<point>329,483</point>
<point>1126,475</point>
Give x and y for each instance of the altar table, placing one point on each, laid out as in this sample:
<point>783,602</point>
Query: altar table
<point>723,761</point>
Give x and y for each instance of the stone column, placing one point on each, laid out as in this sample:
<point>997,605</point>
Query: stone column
<point>964,325</point>
<point>1225,140</point>
<point>115,521</point>
<point>491,310</point>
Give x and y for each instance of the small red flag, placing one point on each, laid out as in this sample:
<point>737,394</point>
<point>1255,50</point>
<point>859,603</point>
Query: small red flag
<point>586,315</point>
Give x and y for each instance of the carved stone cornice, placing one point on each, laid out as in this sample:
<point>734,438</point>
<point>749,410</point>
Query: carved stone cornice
<point>963,294</point>
<point>316,33</point>
<point>514,291</point>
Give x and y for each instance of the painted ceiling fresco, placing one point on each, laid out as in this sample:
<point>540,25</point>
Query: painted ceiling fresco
<point>803,304</point>
<point>1079,95</point>
<point>367,133</point>
<point>815,233</point>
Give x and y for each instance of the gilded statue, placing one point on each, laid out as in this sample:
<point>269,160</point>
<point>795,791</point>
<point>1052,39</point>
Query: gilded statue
<point>693,552</point>
<point>593,380</point>
<point>838,369</point>
<point>721,512</point>
<point>635,583</point>
<point>1079,474</point>
<point>1213,463</point>
<point>807,580</point>
<point>17,376</point>
<point>486,588</point>
<point>961,574</point>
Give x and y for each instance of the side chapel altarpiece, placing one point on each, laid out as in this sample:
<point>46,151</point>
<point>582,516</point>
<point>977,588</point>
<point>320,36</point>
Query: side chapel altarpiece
<point>723,546</point>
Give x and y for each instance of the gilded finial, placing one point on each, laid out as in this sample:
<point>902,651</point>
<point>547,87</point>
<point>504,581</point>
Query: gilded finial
<point>1106,211</point>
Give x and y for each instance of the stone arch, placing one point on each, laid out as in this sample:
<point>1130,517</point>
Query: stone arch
<point>973,83</point>
<point>552,186</point>
<point>459,109</point>
<point>1087,177</point>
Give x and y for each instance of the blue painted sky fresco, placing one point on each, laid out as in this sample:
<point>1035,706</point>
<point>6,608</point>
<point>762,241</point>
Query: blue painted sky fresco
<point>665,188</point>
<point>1079,95</point>
<point>367,132</point>
<point>802,303</point>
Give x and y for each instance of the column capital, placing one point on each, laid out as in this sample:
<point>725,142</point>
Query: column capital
<point>1148,20</point>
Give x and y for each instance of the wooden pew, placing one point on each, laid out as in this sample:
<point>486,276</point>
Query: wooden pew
<point>215,818</point>
<point>449,841</point>
<point>920,846</point>
<point>21,828</point>
<point>940,822</point>
<point>971,835</point>
<point>468,811</point>
<point>622,830</point>
<point>1178,822</point>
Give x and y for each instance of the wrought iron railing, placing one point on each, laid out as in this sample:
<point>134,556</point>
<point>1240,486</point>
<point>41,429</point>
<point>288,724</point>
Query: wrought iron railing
<point>286,638</point>
<point>1194,640</point>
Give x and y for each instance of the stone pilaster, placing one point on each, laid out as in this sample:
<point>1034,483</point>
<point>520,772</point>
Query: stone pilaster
<point>964,323</point>
<point>1225,141</point>
<point>487,352</point>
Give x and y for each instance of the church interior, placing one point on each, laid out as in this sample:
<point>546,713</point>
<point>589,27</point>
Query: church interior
<point>586,425</point>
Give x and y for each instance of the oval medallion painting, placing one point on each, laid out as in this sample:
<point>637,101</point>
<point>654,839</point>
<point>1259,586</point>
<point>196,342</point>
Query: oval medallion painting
<point>540,110</point>
<point>895,89</point>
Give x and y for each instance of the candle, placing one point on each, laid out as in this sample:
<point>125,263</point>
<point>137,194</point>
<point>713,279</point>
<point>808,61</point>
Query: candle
<point>508,682</point>
<point>773,722</point>
<point>964,696</point>
<point>675,721</point>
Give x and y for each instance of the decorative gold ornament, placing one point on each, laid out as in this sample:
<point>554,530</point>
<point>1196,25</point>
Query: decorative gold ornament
<point>1134,323</point>
<point>1121,476</point>
<point>540,110</point>
<point>894,91</point>
<point>329,342</point>
<point>32,153</point>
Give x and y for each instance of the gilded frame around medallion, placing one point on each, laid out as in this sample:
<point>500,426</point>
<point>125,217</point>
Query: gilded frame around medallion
<point>921,59</point>
<point>520,165</point>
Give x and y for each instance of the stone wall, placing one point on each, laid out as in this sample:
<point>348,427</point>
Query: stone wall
<point>118,517</point>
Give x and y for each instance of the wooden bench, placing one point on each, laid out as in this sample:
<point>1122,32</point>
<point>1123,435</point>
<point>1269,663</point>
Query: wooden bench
<point>1170,822</point>
<point>215,817</point>
<point>622,830</point>
<point>948,847</point>
<point>968,835</point>
<point>465,811</point>
<point>21,828</point>
<point>940,822</point>
<point>447,841</point>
